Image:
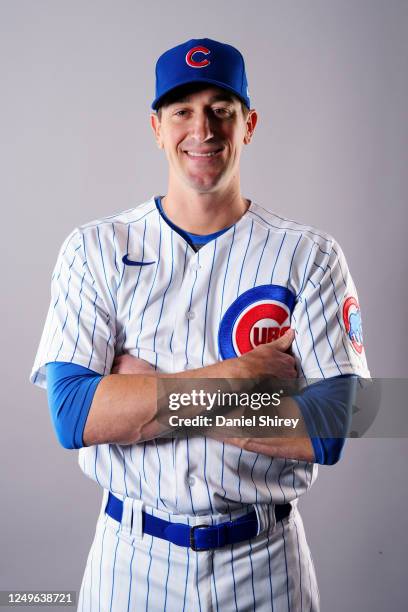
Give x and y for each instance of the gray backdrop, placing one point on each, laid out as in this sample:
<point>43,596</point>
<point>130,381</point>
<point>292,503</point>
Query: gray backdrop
<point>329,79</point>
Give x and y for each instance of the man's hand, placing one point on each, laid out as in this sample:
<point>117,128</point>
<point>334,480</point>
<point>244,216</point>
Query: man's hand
<point>273,360</point>
<point>299,448</point>
<point>127,364</point>
<point>270,359</point>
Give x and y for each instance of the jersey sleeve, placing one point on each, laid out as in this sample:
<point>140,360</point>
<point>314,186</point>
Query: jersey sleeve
<point>327,321</point>
<point>80,325</point>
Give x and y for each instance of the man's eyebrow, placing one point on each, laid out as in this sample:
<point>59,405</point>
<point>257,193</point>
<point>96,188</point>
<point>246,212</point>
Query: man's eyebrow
<point>222,98</point>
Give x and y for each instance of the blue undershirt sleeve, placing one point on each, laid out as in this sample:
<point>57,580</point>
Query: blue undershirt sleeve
<point>70,390</point>
<point>327,408</point>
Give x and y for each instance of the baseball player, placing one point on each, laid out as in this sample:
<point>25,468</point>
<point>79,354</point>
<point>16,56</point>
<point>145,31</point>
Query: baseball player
<point>204,283</point>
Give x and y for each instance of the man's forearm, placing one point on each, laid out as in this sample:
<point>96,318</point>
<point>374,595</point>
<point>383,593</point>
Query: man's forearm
<point>126,408</point>
<point>121,408</point>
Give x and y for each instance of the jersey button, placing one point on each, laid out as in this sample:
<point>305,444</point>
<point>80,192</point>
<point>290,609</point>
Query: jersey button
<point>191,481</point>
<point>190,314</point>
<point>195,267</point>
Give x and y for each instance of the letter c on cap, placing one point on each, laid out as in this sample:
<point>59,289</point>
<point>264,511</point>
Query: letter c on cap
<point>192,63</point>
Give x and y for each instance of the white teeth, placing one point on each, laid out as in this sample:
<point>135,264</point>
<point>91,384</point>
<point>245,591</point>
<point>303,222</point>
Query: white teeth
<point>201,154</point>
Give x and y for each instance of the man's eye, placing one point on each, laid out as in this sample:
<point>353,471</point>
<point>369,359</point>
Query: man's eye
<point>180,113</point>
<point>222,112</point>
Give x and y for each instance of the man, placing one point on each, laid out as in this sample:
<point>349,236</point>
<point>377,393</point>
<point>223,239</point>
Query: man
<point>201,283</point>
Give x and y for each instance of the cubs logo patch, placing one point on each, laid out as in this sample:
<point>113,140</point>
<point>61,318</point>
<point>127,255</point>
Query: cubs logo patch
<point>352,323</point>
<point>258,316</point>
<point>191,57</point>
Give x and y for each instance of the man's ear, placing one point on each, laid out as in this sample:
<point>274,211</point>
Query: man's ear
<point>251,121</point>
<point>156,127</point>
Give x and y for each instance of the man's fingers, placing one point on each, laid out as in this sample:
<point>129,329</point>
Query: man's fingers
<point>284,342</point>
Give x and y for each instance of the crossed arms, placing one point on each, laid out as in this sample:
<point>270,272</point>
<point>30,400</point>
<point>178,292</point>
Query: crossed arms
<point>131,405</point>
<point>124,409</point>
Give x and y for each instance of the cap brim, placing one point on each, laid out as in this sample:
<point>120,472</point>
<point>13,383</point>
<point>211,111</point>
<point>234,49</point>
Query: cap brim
<point>157,101</point>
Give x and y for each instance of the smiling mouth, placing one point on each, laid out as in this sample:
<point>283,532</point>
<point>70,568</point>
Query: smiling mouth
<point>201,155</point>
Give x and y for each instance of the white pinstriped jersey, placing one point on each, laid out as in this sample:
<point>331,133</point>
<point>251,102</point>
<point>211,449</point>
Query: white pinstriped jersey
<point>169,313</point>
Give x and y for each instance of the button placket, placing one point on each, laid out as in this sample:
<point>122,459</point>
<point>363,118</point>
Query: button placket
<point>183,304</point>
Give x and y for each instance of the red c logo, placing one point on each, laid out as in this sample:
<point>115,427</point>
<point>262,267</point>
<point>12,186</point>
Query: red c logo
<point>192,63</point>
<point>259,323</point>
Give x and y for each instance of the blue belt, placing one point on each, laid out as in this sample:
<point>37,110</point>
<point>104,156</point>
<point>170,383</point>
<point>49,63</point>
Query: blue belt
<point>198,537</point>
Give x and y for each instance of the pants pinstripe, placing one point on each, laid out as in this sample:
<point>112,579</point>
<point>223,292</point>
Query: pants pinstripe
<point>130,571</point>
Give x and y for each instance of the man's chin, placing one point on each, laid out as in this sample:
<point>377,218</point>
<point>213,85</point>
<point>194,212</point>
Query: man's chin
<point>204,185</point>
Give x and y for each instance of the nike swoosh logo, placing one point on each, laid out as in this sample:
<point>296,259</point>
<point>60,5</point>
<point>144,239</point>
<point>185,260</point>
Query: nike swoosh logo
<point>130,262</point>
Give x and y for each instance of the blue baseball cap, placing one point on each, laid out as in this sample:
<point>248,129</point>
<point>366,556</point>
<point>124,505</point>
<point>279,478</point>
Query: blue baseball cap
<point>201,60</point>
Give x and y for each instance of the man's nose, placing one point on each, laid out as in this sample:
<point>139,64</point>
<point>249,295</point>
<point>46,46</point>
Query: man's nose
<point>202,127</point>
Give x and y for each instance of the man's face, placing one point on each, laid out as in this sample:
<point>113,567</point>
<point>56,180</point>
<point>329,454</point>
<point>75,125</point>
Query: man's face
<point>203,135</point>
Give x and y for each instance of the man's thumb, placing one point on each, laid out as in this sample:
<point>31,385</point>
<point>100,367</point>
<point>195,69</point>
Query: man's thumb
<point>285,341</point>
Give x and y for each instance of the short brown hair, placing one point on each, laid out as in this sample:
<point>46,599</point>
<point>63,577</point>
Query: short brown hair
<point>185,90</point>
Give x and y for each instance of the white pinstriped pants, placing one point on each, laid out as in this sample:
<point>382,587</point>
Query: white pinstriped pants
<point>129,571</point>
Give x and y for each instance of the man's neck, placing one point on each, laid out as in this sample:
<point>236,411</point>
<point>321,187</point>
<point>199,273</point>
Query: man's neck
<point>204,213</point>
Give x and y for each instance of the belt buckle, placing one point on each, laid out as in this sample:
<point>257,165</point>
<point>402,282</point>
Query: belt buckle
<point>192,538</point>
